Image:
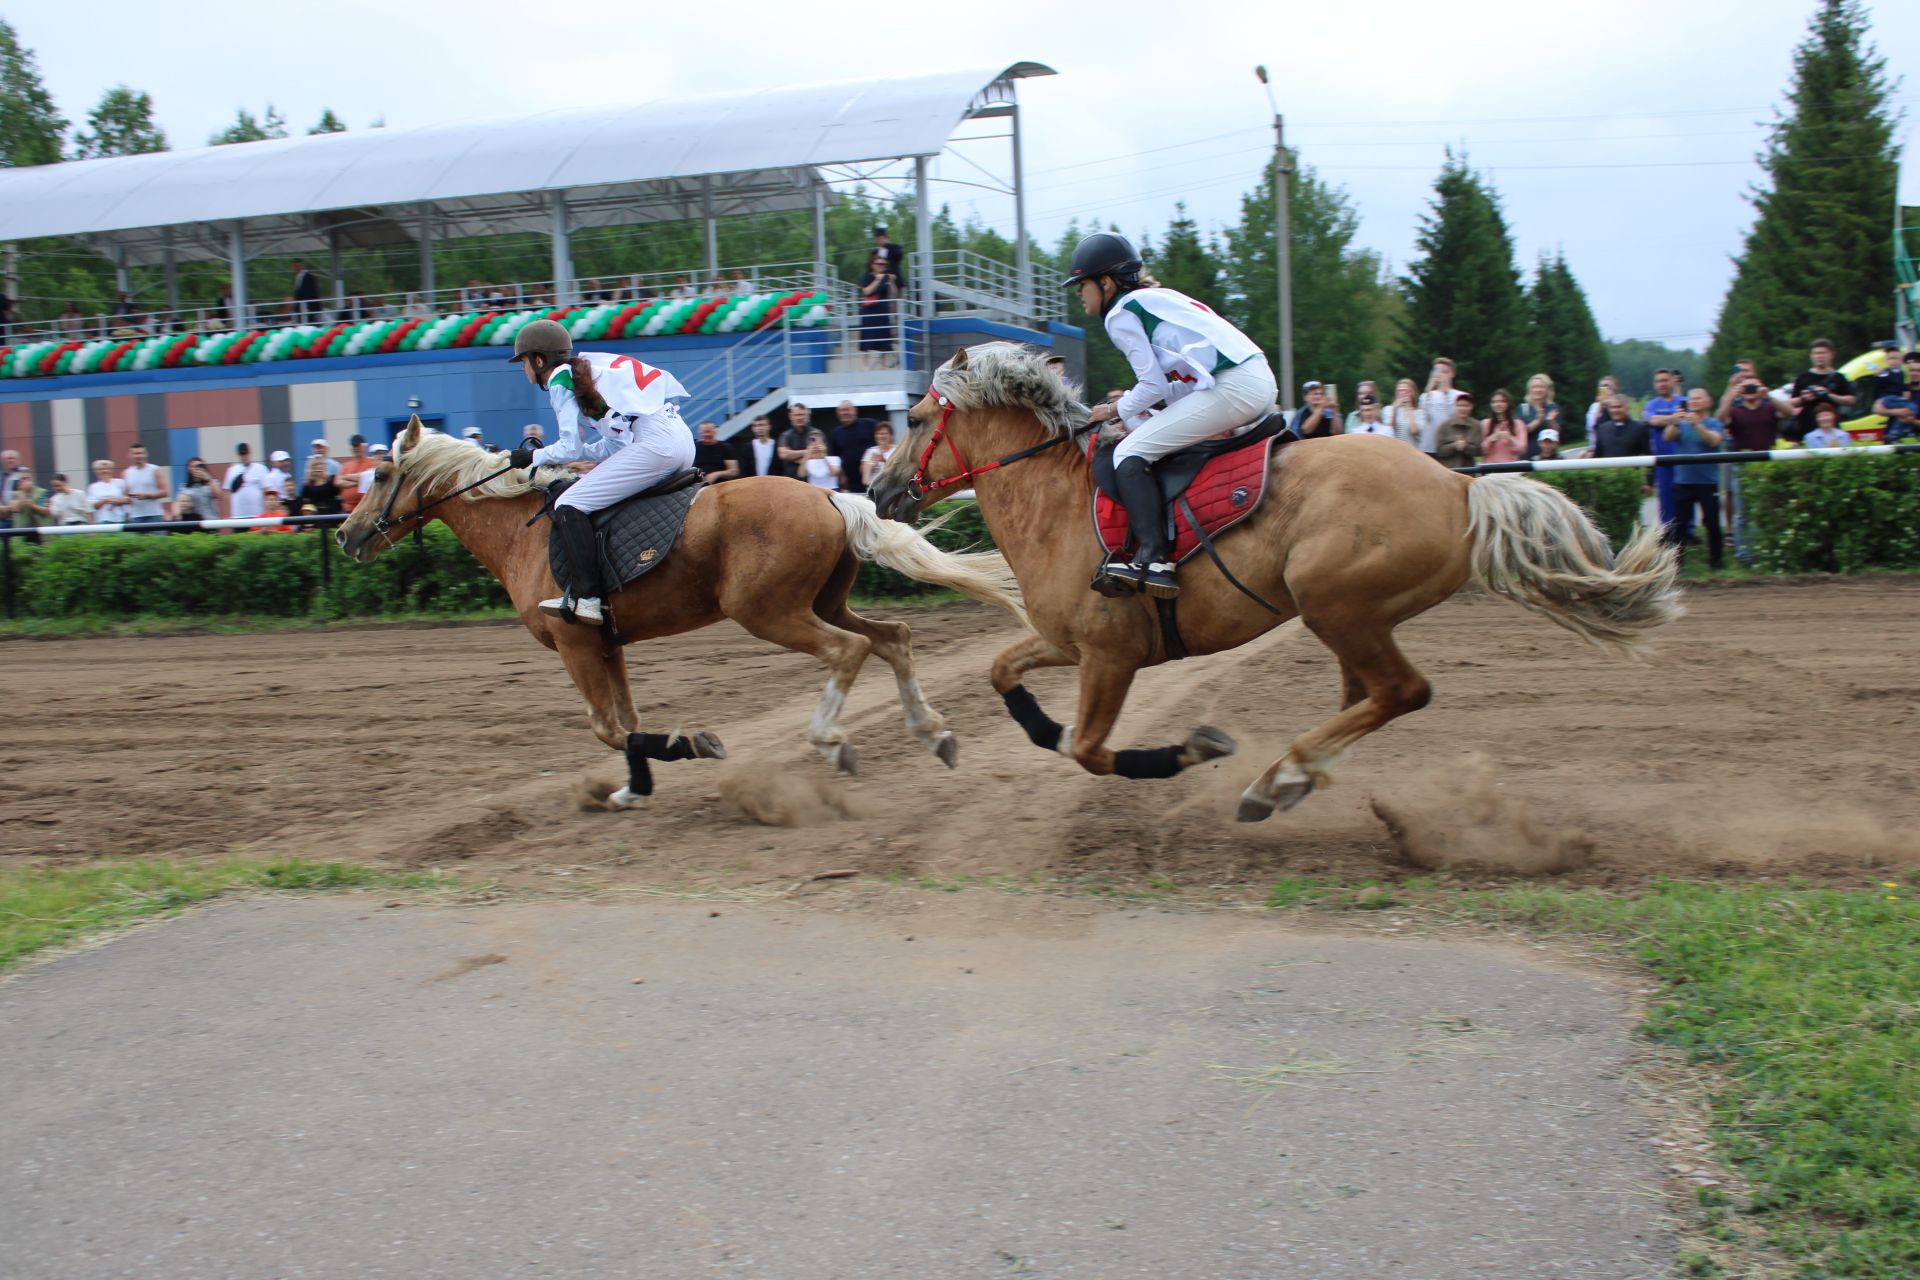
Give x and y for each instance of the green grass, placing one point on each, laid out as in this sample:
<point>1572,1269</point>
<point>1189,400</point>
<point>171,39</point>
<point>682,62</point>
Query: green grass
<point>1806,1002</point>
<point>42,906</point>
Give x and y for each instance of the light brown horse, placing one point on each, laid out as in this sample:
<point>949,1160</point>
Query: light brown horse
<point>1357,534</point>
<point>775,555</point>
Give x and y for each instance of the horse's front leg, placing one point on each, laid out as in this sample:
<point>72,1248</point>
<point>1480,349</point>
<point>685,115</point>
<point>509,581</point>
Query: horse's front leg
<point>1104,683</point>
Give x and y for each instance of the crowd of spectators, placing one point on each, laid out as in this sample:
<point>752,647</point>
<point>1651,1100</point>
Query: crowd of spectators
<point>143,492</point>
<point>1444,421</point>
<point>305,302</point>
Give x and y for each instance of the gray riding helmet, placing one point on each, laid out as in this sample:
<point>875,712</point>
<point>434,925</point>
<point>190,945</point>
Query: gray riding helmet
<point>542,337</point>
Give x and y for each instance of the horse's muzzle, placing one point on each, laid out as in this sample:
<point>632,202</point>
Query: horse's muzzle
<point>893,500</point>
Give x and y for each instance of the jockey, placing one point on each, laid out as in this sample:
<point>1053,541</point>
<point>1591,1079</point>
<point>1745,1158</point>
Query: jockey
<point>1210,375</point>
<point>641,442</point>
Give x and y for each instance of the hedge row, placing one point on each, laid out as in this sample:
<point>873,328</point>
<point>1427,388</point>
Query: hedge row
<point>1840,517</point>
<point>200,575</point>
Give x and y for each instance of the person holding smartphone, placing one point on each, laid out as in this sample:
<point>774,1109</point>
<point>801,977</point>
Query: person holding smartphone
<point>1820,385</point>
<point>1320,415</point>
<point>879,296</point>
<point>1437,402</point>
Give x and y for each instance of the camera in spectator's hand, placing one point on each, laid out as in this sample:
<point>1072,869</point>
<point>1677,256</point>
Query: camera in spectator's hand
<point>1750,389</point>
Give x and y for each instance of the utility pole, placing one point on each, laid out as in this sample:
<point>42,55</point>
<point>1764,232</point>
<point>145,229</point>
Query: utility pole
<point>1282,246</point>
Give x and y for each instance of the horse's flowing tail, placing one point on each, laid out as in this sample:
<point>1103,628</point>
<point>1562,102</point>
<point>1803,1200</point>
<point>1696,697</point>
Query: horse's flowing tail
<point>1535,546</point>
<point>983,575</point>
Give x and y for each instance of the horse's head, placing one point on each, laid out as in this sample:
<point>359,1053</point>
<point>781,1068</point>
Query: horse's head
<point>387,509</point>
<point>943,448</point>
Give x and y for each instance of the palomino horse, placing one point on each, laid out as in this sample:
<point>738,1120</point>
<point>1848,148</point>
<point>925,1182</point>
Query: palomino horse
<point>1357,534</point>
<point>775,555</point>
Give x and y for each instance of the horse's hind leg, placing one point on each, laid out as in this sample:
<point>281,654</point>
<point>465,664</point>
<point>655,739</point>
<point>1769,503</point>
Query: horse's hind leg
<point>893,644</point>
<point>1378,684</point>
<point>843,652</point>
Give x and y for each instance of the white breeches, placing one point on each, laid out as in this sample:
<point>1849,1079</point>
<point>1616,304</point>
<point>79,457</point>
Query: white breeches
<point>660,448</point>
<point>1237,396</point>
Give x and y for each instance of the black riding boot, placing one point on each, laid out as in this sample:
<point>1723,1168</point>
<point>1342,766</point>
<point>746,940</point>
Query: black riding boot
<point>573,531</point>
<point>1152,567</point>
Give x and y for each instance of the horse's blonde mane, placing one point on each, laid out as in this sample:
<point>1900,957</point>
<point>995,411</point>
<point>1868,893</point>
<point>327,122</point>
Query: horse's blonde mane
<point>437,459</point>
<point>1007,375</point>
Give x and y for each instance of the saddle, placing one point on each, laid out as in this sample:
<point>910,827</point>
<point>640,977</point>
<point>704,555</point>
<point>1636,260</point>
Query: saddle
<point>634,535</point>
<point>1208,487</point>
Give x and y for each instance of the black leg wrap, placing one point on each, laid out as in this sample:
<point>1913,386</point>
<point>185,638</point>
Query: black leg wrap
<point>1042,732</point>
<point>639,773</point>
<point>658,746</point>
<point>1156,762</point>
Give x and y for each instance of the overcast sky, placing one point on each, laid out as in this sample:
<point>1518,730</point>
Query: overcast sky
<point>1623,133</point>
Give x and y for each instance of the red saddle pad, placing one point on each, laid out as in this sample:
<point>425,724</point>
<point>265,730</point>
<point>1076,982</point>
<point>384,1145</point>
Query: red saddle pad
<point>1227,491</point>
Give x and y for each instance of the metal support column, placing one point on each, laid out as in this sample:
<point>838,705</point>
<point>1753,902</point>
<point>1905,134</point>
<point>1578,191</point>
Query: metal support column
<point>121,279</point>
<point>713,236</point>
<point>237,267</point>
<point>172,273</point>
<point>922,240</point>
<point>426,256</point>
<point>1022,258</point>
<point>562,249</point>
<point>339,276</point>
<point>819,234</point>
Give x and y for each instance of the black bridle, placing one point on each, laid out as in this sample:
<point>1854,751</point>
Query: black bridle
<point>386,521</point>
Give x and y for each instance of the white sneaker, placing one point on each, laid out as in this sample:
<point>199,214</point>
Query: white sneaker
<point>585,610</point>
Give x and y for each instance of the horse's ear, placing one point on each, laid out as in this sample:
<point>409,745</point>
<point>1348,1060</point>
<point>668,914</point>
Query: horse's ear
<point>411,436</point>
<point>1059,366</point>
<point>959,360</point>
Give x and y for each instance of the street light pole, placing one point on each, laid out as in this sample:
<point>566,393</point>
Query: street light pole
<point>1282,245</point>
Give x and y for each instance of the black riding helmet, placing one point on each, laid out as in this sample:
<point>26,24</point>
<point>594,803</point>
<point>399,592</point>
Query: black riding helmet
<point>1106,253</point>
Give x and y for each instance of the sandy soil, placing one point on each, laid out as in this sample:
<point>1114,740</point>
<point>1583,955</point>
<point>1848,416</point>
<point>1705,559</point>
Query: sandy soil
<point>1772,734</point>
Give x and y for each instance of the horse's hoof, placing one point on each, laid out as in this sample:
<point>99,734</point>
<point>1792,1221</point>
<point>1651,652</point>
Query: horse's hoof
<point>706,746</point>
<point>625,798</point>
<point>1252,810</point>
<point>844,758</point>
<point>947,748</point>
<point>1289,794</point>
<point>1209,743</point>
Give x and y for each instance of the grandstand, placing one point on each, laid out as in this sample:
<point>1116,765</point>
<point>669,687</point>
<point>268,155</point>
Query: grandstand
<point>185,380</point>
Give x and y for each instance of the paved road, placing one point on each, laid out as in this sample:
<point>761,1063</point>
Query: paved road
<point>326,1087</point>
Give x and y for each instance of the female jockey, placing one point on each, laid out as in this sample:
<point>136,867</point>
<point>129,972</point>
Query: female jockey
<point>641,442</point>
<point>1210,375</point>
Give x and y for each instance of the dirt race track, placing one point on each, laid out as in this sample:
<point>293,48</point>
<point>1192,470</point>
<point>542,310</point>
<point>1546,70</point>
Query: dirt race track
<point>1771,734</point>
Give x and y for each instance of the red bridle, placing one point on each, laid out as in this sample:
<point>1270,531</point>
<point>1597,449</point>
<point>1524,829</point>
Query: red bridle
<point>919,486</point>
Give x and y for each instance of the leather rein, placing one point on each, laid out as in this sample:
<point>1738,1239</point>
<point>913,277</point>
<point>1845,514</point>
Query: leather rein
<point>386,520</point>
<point>919,486</point>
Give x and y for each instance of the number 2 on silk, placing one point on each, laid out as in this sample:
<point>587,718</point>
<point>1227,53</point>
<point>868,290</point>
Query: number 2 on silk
<point>635,367</point>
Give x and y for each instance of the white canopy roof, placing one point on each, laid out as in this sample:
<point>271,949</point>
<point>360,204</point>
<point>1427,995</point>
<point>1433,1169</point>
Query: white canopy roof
<point>648,161</point>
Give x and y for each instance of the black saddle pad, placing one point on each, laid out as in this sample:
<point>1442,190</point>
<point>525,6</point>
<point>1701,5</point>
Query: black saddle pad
<point>635,535</point>
<point>1177,470</point>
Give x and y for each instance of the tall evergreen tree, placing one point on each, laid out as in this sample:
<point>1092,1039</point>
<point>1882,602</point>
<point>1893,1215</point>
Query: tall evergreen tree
<point>1463,295</point>
<point>1816,263</point>
<point>1565,337</point>
<point>31,128</point>
<point>1185,262</point>
<point>1340,296</point>
<point>329,123</point>
<point>121,125</point>
<point>248,128</point>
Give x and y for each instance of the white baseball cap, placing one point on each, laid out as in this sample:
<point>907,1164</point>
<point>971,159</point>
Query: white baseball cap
<point>279,455</point>
<point>376,448</point>
<point>472,433</point>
